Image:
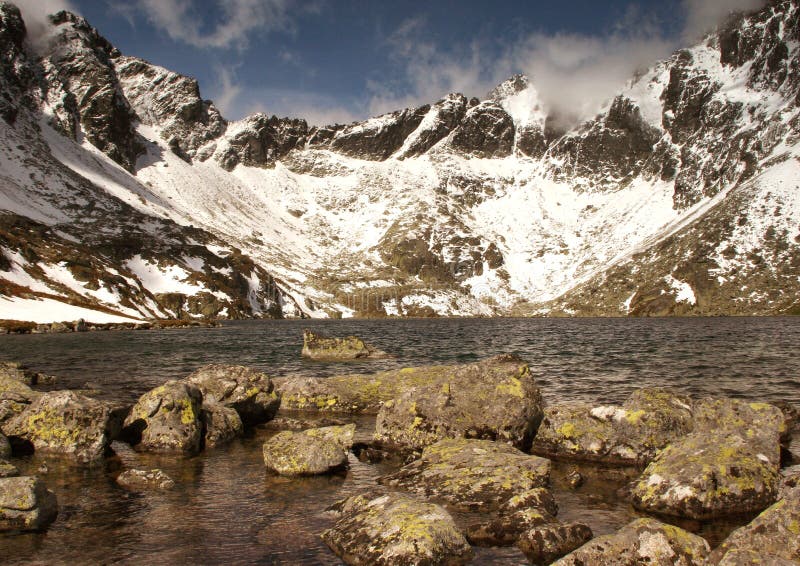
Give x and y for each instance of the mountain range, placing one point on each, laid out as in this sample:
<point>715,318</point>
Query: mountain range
<point>125,195</point>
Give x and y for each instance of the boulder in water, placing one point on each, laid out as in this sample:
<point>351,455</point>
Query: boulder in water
<point>392,528</point>
<point>311,452</point>
<point>26,504</point>
<point>543,544</point>
<point>142,480</point>
<point>250,392</point>
<point>221,424</point>
<point>319,347</point>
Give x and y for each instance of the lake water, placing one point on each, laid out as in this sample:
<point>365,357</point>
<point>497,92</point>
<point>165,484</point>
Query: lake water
<point>227,509</point>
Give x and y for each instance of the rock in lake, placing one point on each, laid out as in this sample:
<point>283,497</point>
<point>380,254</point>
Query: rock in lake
<point>644,541</point>
<point>771,538</point>
<point>545,543</point>
<point>221,424</point>
<point>395,529</point>
<point>63,422</point>
<point>323,348</point>
<point>21,373</point>
<point>356,394</point>
<point>707,475</point>
<point>167,419</point>
<point>506,529</point>
<point>250,392</point>
<point>311,452</point>
<point>630,434</point>
<point>142,480</point>
<point>14,396</point>
<point>496,399</point>
<point>471,474</point>
<point>26,504</point>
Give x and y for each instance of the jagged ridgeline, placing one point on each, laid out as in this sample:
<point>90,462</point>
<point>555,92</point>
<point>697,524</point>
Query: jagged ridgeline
<point>124,192</point>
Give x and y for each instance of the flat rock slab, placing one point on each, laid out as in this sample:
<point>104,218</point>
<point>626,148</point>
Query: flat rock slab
<point>495,400</point>
<point>707,475</point>
<point>471,474</point>
<point>771,538</point>
<point>142,480</point>
<point>644,541</point>
<point>395,529</point>
<point>249,392</point>
<point>629,434</point>
<point>365,394</point>
<point>66,423</point>
<point>311,452</point>
<point>323,348</point>
<point>26,504</point>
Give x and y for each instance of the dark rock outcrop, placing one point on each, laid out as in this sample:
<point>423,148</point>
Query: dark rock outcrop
<point>486,131</point>
<point>378,138</point>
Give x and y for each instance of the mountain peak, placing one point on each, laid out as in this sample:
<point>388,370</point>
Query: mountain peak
<point>514,85</point>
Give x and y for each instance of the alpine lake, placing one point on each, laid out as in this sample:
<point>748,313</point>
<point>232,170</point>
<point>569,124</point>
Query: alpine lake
<point>227,509</point>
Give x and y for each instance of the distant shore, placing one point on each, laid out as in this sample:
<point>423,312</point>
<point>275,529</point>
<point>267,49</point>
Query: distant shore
<point>27,327</point>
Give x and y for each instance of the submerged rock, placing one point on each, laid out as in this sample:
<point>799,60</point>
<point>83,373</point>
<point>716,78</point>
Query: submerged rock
<point>66,423</point>
<point>21,373</point>
<point>26,504</point>
<point>471,474</point>
<point>496,399</point>
<point>630,434</point>
<point>310,452</point>
<point>139,480</point>
<point>545,543</point>
<point>251,393</point>
<point>395,529</point>
<point>357,394</point>
<point>707,475</point>
<point>506,529</point>
<point>771,538</point>
<point>221,424</point>
<point>644,541</point>
<point>167,419</point>
<point>323,348</point>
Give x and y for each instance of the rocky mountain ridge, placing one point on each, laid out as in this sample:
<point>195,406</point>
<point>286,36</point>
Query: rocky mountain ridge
<point>680,197</point>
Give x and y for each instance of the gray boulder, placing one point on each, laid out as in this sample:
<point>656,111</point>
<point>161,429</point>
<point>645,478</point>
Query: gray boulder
<point>496,399</point>
<point>395,529</point>
<point>221,424</point>
<point>771,538</point>
<point>644,541</point>
<point>143,480</point>
<point>66,423</point>
<point>26,504</point>
<point>543,544</point>
<point>167,419</point>
<point>310,452</point>
<point>471,474</point>
<point>248,391</point>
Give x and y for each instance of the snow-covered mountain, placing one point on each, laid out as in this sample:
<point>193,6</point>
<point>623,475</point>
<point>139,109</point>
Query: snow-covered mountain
<point>123,191</point>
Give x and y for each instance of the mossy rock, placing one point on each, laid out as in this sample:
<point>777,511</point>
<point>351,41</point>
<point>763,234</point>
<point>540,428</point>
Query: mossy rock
<point>396,530</point>
<point>167,419</point>
<point>707,475</point>
<point>319,347</point>
<point>249,392</point>
<point>14,396</point>
<point>315,451</point>
<point>543,544</point>
<point>5,447</point>
<point>221,424</point>
<point>365,394</point>
<point>26,504</point>
<point>496,400</point>
<point>63,422</point>
<point>506,529</point>
<point>145,480</point>
<point>471,474</point>
<point>771,538</point>
<point>8,470</point>
<point>643,541</point>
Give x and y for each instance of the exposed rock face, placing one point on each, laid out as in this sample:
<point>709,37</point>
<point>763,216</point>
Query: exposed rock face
<point>378,138</point>
<point>707,475</point>
<point>395,529</point>
<point>442,118</point>
<point>771,538</point>
<point>471,474</point>
<point>642,541</point>
<point>26,504</point>
<point>323,348</point>
<point>630,434</point>
<point>260,140</point>
<point>167,419</point>
<point>221,424</point>
<point>366,394</point>
<point>486,131</point>
<point>248,391</point>
<point>142,480</point>
<point>310,452</point>
<point>495,399</point>
<point>66,423</point>
<point>544,544</point>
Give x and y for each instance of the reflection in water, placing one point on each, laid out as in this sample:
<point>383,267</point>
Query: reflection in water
<point>227,509</point>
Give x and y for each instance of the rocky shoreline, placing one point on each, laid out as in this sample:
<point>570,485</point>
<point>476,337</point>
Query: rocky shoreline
<point>66,327</point>
<point>471,450</point>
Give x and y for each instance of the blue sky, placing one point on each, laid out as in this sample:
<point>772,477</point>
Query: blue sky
<point>339,60</point>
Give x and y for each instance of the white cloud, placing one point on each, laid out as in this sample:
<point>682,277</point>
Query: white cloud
<point>183,21</point>
<point>704,15</point>
<point>35,14</point>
